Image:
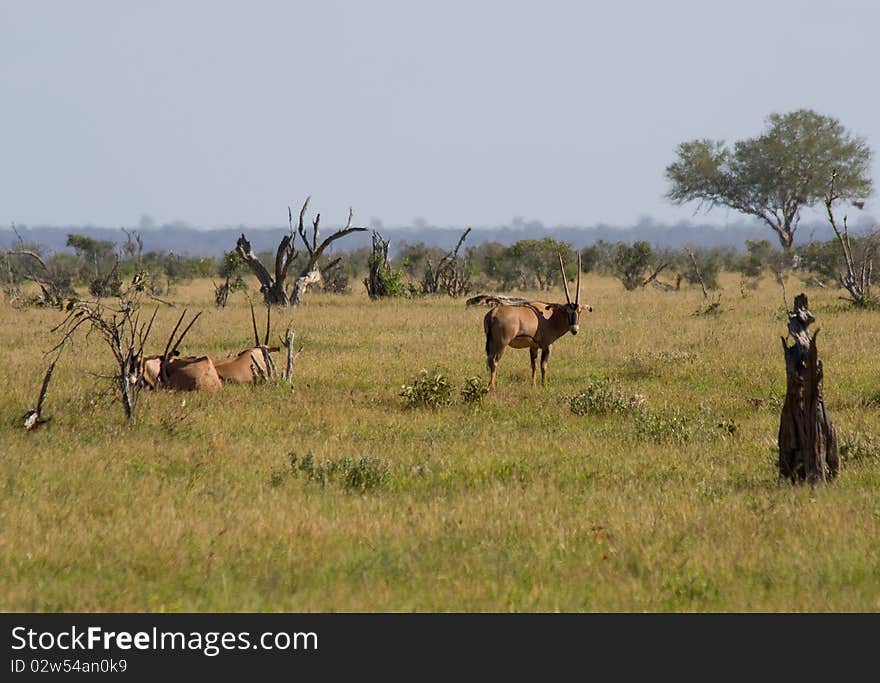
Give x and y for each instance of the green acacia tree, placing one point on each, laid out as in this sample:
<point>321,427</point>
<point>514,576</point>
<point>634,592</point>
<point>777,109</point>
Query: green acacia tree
<point>635,265</point>
<point>538,261</point>
<point>97,254</point>
<point>773,176</point>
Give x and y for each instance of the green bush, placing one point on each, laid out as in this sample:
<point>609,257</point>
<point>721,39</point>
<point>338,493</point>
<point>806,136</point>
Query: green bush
<point>858,446</point>
<point>429,390</point>
<point>358,474</point>
<point>604,397</point>
<point>393,282</point>
<point>673,426</point>
<point>475,390</point>
<point>631,263</point>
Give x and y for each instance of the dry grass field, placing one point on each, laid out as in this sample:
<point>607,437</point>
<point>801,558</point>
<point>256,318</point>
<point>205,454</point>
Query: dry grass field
<point>513,504</point>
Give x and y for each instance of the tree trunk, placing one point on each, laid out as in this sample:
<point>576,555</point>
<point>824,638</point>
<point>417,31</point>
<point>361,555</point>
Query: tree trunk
<point>378,263</point>
<point>287,342</point>
<point>786,239</point>
<point>301,286</point>
<point>276,295</point>
<point>272,290</point>
<point>784,226</point>
<point>808,448</point>
<point>127,399</point>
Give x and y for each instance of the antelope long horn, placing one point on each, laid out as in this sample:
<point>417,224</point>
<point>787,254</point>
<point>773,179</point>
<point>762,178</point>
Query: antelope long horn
<point>564,281</point>
<point>173,332</point>
<point>145,334</point>
<point>268,324</point>
<point>254,323</point>
<point>577,298</point>
<point>183,334</point>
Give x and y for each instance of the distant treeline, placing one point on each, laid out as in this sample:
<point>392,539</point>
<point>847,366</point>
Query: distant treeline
<point>531,264</point>
<point>179,238</point>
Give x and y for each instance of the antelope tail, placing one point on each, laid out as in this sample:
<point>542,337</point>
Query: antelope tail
<point>487,328</point>
<point>497,300</point>
<point>478,300</point>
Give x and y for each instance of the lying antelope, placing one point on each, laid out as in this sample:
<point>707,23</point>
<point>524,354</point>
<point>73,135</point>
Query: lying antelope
<point>252,363</point>
<point>523,324</point>
<point>169,370</point>
<point>194,373</point>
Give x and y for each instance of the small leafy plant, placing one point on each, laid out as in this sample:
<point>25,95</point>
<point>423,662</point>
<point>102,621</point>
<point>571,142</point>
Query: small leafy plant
<point>856,446</point>
<point>358,474</point>
<point>475,390</point>
<point>605,397</point>
<point>428,390</point>
<point>672,426</point>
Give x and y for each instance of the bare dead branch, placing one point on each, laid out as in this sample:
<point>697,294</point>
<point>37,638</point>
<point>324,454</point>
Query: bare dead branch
<point>654,275</point>
<point>451,275</point>
<point>33,418</point>
<point>857,279</point>
<point>697,271</point>
<point>33,255</point>
<point>331,265</point>
<point>120,328</point>
<point>243,247</point>
<point>287,343</point>
<point>300,229</point>
<point>273,289</point>
<point>170,304</point>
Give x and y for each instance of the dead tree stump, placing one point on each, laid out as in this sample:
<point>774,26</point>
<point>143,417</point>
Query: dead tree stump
<point>376,281</point>
<point>287,343</point>
<point>807,438</point>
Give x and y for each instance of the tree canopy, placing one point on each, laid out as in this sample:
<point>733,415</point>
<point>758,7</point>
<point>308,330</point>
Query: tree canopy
<point>773,176</point>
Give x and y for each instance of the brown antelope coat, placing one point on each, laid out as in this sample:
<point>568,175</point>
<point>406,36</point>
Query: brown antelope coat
<point>237,369</point>
<point>180,374</point>
<point>247,365</point>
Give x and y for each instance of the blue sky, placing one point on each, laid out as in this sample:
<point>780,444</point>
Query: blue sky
<point>458,113</point>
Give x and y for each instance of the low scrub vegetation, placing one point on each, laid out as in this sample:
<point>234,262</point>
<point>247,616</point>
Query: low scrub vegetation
<point>859,446</point>
<point>435,390</point>
<point>428,390</point>
<point>357,474</point>
<point>666,426</point>
<point>474,390</point>
<point>605,397</point>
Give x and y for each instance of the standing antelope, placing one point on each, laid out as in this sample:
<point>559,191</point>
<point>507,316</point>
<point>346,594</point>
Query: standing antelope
<point>532,325</point>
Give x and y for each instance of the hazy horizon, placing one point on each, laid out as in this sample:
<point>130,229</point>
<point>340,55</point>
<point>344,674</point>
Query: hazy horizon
<point>216,114</point>
<point>181,239</point>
